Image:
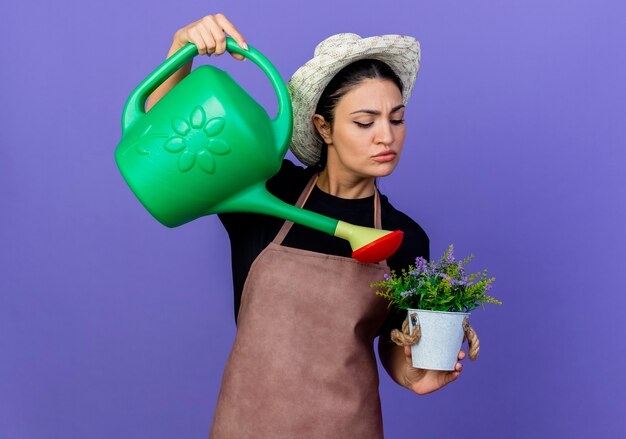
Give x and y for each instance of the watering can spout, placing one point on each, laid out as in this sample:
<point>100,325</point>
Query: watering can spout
<point>368,245</point>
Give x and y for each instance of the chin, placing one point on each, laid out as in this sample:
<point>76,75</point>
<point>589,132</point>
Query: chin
<point>383,170</point>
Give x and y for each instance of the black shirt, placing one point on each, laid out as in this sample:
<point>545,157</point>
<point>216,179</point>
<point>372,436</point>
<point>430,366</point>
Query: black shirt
<point>251,233</point>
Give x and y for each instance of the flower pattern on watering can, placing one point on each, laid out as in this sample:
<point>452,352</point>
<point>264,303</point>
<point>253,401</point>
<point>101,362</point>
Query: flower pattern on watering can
<point>194,140</point>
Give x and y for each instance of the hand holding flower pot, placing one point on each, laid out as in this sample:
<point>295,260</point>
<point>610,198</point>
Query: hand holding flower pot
<point>438,297</point>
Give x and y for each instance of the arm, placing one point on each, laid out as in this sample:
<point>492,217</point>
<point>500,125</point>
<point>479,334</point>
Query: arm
<point>397,362</point>
<point>208,34</point>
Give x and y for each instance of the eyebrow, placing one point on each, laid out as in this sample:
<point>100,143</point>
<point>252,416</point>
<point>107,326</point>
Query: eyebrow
<point>376,113</point>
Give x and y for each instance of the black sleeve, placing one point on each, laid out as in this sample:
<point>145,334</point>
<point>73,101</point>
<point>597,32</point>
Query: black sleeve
<point>415,243</point>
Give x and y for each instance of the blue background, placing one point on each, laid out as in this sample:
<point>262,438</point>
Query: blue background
<point>112,325</point>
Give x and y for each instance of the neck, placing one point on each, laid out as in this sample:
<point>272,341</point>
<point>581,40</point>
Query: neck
<point>345,186</point>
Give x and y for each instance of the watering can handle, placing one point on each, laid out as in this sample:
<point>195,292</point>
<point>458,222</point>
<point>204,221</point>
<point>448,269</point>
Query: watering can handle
<point>282,123</point>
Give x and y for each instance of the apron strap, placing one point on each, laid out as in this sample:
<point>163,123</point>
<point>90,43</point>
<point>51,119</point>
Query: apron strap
<point>378,224</point>
<point>280,236</point>
<point>278,239</point>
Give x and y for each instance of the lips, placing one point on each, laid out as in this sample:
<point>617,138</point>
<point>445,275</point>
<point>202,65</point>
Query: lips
<point>386,156</point>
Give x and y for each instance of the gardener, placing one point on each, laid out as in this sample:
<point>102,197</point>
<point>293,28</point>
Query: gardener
<point>302,364</point>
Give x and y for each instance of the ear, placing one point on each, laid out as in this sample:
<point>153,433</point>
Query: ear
<point>323,128</point>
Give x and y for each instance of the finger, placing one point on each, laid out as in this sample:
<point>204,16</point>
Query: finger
<point>207,34</point>
<point>458,367</point>
<point>444,379</point>
<point>452,376</point>
<point>217,32</point>
<point>209,42</point>
<point>237,56</point>
<point>194,36</point>
<point>231,30</point>
<point>461,355</point>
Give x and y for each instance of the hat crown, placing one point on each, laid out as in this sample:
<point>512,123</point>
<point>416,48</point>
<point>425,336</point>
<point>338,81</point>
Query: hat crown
<point>334,42</point>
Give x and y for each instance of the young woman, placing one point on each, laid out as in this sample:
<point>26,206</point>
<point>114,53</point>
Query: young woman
<point>302,364</point>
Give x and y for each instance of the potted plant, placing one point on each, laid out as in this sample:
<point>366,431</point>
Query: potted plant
<point>438,297</point>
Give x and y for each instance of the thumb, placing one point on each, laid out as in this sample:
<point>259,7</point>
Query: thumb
<point>407,355</point>
<point>238,56</point>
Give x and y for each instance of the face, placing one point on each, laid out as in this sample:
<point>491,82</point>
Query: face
<point>367,135</point>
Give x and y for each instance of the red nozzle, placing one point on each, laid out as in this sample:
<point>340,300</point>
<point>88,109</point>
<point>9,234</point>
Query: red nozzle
<point>380,249</point>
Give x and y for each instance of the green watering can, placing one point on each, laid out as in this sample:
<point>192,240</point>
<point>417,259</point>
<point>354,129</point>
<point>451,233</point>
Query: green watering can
<point>207,147</point>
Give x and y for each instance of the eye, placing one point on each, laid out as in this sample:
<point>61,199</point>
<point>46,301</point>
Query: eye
<point>397,121</point>
<point>363,125</point>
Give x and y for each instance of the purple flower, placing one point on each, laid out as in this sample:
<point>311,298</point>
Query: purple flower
<point>407,292</point>
<point>432,268</point>
<point>420,266</point>
<point>386,276</point>
<point>463,281</point>
<point>450,257</point>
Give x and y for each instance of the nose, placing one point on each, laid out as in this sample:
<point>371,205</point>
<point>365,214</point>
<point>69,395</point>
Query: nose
<point>384,133</point>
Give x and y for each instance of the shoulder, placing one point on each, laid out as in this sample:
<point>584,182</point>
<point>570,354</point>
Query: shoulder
<point>416,241</point>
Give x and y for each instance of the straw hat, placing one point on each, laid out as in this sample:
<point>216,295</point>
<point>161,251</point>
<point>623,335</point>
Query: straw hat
<point>401,53</point>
